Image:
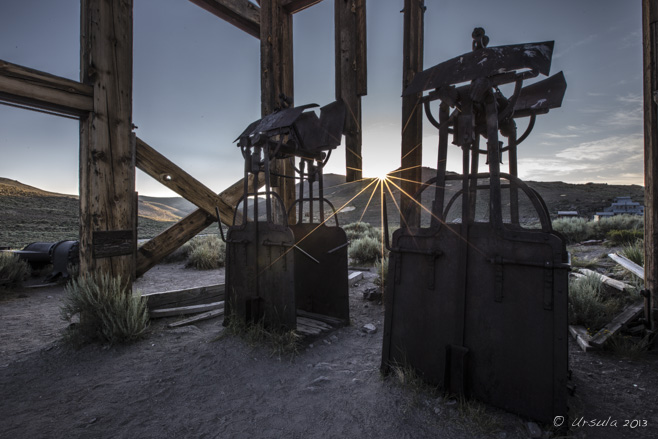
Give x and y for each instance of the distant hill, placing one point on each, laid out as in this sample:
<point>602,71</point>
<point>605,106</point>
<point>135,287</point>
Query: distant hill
<point>586,199</point>
<point>13,188</point>
<point>29,214</point>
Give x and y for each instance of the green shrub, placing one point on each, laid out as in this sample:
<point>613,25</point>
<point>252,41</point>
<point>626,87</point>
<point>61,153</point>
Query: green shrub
<point>624,237</point>
<point>573,229</point>
<point>13,270</point>
<point>587,305</point>
<point>206,252</point>
<point>361,230</point>
<point>599,229</point>
<point>108,312</point>
<point>578,229</point>
<point>381,266</point>
<point>365,250</point>
<point>634,252</point>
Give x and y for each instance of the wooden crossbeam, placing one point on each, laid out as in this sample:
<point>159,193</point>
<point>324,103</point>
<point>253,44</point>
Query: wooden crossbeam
<point>33,88</point>
<point>294,6</point>
<point>240,13</point>
<point>170,175</point>
<point>168,241</point>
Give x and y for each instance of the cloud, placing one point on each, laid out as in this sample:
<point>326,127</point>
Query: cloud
<point>633,39</point>
<point>632,98</point>
<point>587,40</point>
<point>560,136</point>
<point>616,159</point>
<point>630,114</point>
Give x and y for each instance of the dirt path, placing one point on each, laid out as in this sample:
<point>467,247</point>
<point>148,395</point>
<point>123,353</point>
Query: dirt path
<point>191,383</point>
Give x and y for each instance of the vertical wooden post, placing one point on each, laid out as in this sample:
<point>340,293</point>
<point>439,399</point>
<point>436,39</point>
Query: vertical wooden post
<point>650,48</point>
<point>412,112</point>
<point>107,159</point>
<point>351,81</point>
<point>276,64</point>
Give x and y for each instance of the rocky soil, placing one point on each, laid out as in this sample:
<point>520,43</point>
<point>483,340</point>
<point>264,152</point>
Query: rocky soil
<point>193,382</point>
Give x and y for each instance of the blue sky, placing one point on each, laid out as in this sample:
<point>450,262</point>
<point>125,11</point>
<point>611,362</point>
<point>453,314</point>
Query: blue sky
<point>196,85</point>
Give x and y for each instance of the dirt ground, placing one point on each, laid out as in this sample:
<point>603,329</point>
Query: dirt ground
<point>190,383</point>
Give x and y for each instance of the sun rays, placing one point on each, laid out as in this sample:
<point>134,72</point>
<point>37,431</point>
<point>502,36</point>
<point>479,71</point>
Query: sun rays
<point>385,186</point>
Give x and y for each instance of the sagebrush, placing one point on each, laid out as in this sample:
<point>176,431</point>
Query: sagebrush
<point>206,252</point>
<point>361,230</point>
<point>107,310</point>
<point>13,270</point>
<point>381,267</point>
<point>588,305</point>
<point>365,250</point>
<point>624,237</point>
<point>579,229</point>
<point>634,252</point>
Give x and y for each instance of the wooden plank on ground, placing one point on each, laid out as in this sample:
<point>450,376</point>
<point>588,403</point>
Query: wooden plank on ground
<point>628,265</point>
<point>307,330</point>
<point>187,297</point>
<point>608,282</point>
<point>314,324</point>
<point>198,318</point>
<point>579,333</point>
<point>333,321</point>
<point>354,277</point>
<point>629,314</point>
<point>183,310</point>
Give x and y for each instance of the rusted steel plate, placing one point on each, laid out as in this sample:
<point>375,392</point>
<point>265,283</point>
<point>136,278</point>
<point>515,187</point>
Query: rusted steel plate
<point>321,282</point>
<point>484,63</point>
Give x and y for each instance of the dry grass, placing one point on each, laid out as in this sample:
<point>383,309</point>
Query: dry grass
<point>108,312</point>
<point>13,271</point>
<point>281,343</point>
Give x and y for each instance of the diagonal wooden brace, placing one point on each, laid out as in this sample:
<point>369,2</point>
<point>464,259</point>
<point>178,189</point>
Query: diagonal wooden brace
<point>169,174</point>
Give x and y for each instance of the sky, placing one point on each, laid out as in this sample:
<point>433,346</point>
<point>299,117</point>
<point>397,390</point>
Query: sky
<point>196,85</point>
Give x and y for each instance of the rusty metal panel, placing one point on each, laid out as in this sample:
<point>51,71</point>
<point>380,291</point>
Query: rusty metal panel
<point>507,308</point>
<point>477,298</point>
<point>259,275</point>
<point>484,63</point>
<point>321,270</point>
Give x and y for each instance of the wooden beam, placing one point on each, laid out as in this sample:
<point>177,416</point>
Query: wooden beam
<point>32,88</point>
<point>198,318</point>
<point>276,64</point>
<point>650,51</point>
<point>240,13</point>
<point>411,156</point>
<point>628,264</point>
<point>190,296</point>
<point>629,314</point>
<point>168,241</point>
<point>184,310</point>
<point>349,28</point>
<point>107,160</point>
<point>294,6</point>
<point>170,175</point>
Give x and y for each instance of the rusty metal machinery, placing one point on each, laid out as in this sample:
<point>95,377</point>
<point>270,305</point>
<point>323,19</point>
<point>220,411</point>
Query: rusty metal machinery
<point>272,269</point>
<point>477,293</point>
<point>62,255</point>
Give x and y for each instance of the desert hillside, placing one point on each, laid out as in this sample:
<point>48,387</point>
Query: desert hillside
<point>29,214</point>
